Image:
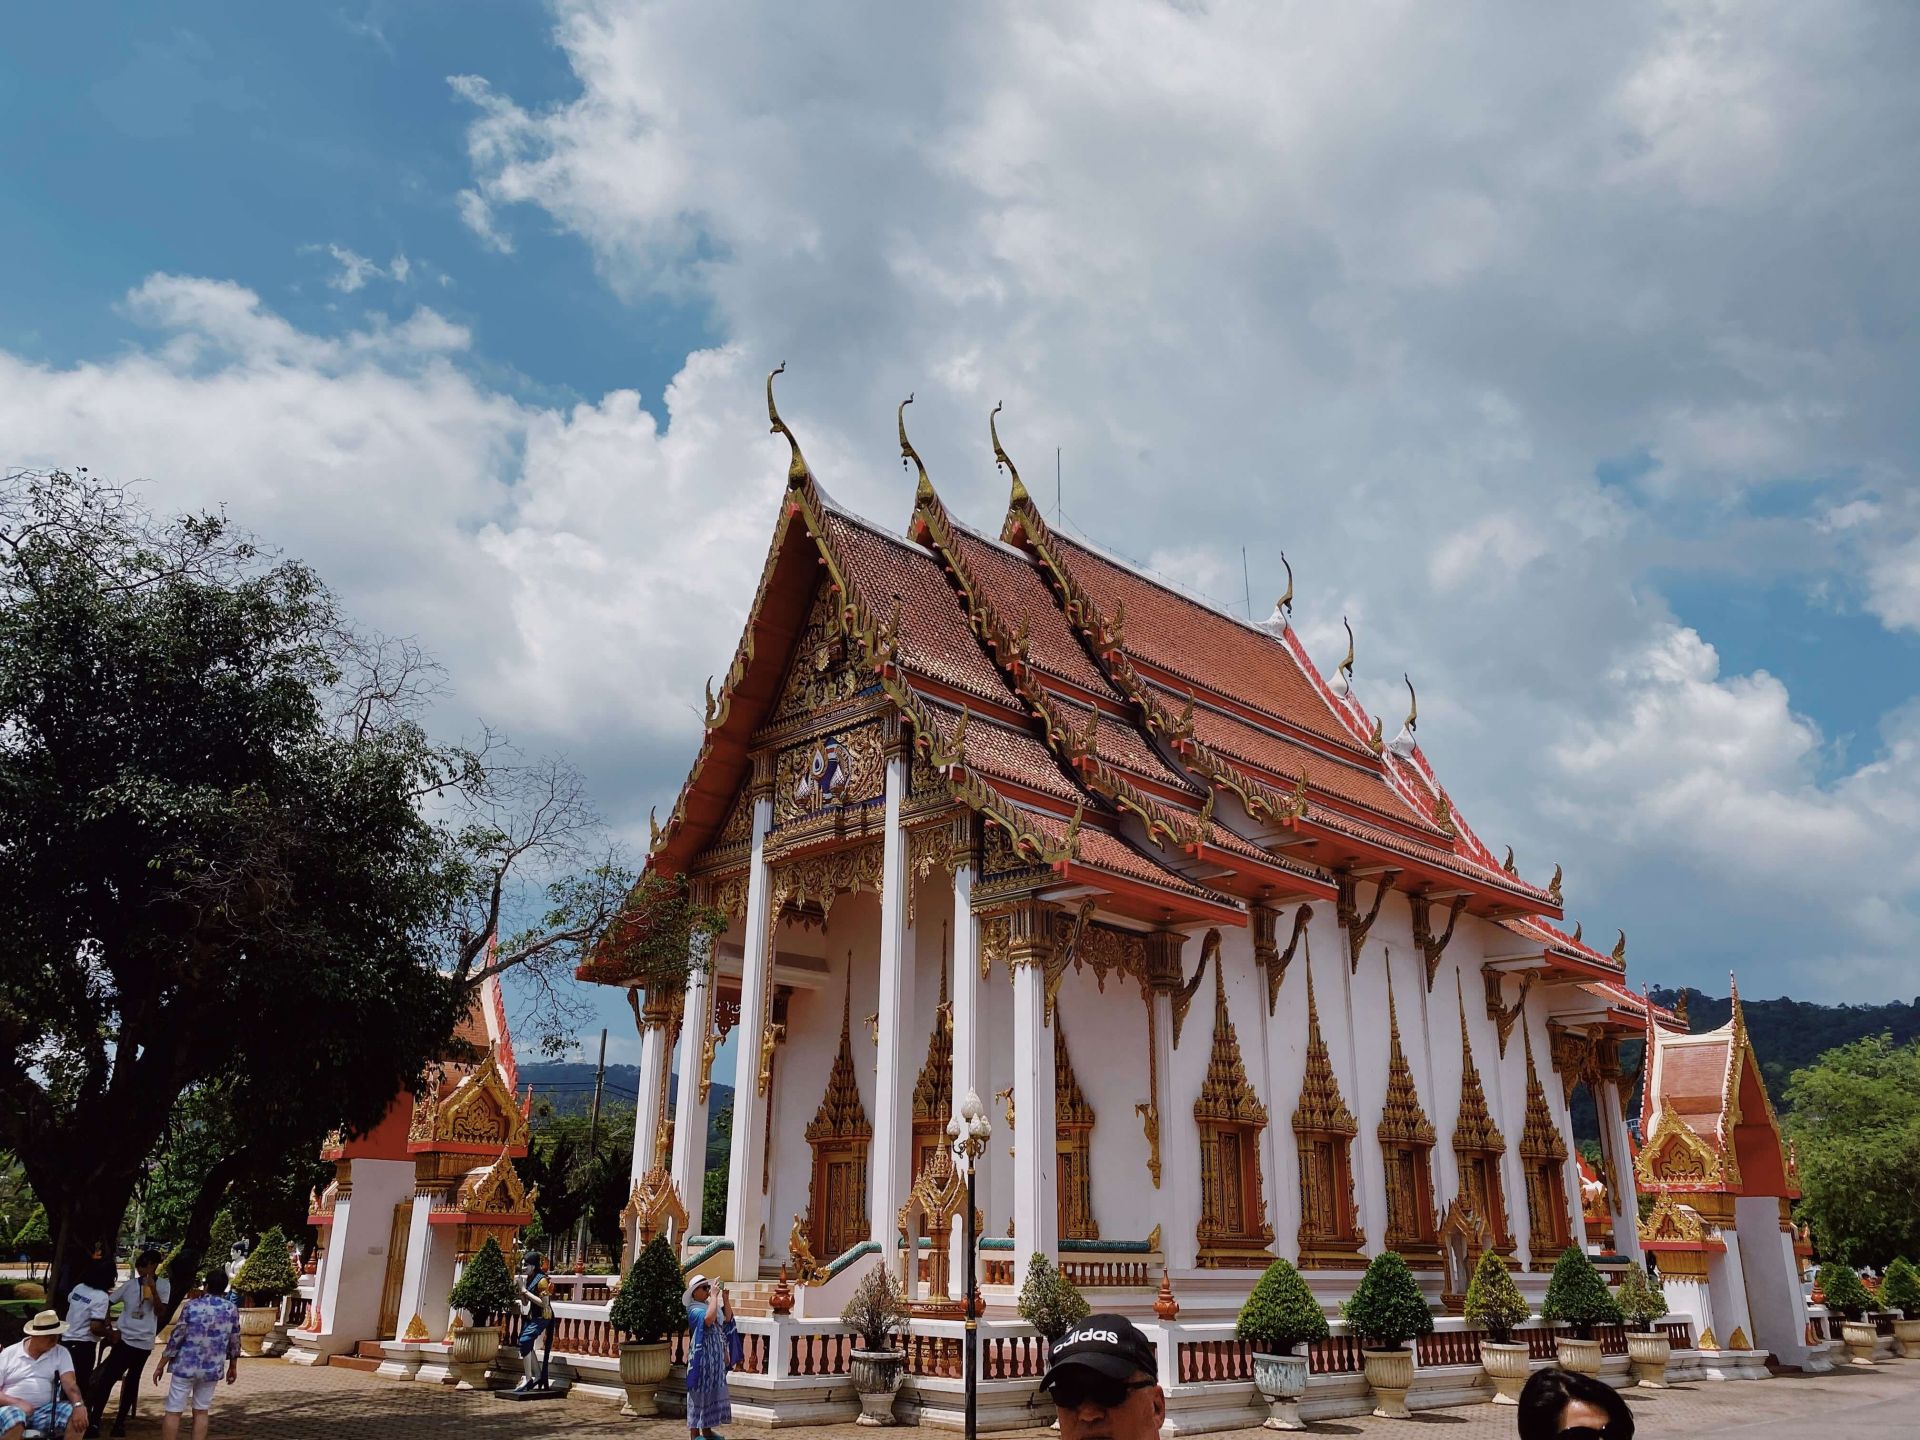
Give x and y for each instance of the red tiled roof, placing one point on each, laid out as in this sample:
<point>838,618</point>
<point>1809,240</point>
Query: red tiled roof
<point>1422,850</point>
<point>1098,849</point>
<point>934,639</point>
<point>1017,592</point>
<point>1198,643</point>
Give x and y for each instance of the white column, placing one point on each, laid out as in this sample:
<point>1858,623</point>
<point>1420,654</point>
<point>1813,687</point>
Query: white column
<point>745,1203</point>
<point>690,1108</point>
<point>1036,1200</point>
<point>968,1074</point>
<point>892,1117</point>
<point>414,1300</point>
<point>1365,1149</point>
<point>651,1087</point>
<point>1727,1289</point>
<point>1622,1196</point>
<point>1179,1195</point>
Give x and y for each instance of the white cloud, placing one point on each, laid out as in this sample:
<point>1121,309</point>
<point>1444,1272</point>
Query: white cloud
<point>477,215</point>
<point>356,269</point>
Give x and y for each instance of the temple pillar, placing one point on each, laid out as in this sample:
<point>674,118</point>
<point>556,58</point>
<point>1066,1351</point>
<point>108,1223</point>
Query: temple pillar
<point>1036,1198</point>
<point>889,1161</point>
<point>966,989</point>
<point>690,1108</point>
<point>1623,1201</point>
<point>428,1277</point>
<point>1727,1291</point>
<point>1365,1149</point>
<point>1772,1273</point>
<point>1179,1196</point>
<point>746,1204</point>
<point>655,1022</point>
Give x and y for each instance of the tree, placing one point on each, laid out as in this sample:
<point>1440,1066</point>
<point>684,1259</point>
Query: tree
<point>1640,1300</point>
<point>1281,1312</point>
<point>1900,1288</point>
<point>1578,1295</point>
<point>1494,1301</point>
<point>1050,1302</point>
<point>230,856</point>
<point>1855,1123</point>
<point>485,1287</point>
<point>1387,1308</point>
<point>576,1182</point>
<point>221,1237</point>
<point>1841,1287</point>
<point>267,1273</point>
<point>648,1307</point>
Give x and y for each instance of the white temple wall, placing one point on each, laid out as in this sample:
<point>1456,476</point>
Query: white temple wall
<point>1509,1098</point>
<point>1774,1298</point>
<point>1286,1064</point>
<point>1106,1034</point>
<point>1359,1014</point>
<point>994,1188</point>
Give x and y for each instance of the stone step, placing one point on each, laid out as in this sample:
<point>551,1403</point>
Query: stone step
<point>374,1350</point>
<point>355,1362</point>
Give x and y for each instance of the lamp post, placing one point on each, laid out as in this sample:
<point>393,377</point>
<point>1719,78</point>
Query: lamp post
<point>968,1130</point>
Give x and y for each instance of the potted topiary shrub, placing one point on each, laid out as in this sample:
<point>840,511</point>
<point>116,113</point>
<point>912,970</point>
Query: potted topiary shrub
<point>1386,1311</point>
<point>1848,1298</point>
<point>482,1297</point>
<point>264,1279</point>
<point>644,1313</point>
<point>1900,1292</point>
<point>875,1313</point>
<point>1050,1302</point>
<point>1577,1295</point>
<point>1495,1304</point>
<point>1280,1319</point>
<point>1648,1349</point>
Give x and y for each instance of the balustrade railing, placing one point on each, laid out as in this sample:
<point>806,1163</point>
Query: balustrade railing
<point>1449,1347</point>
<point>1202,1362</point>
<point>1106,1273</point>
<point>1679,1333</point>
<point>1539,1343</point>
<point>1336,1355</point>
<point>1612,1338</point>
<point>1012,1357</point>
<point>820,1353</point>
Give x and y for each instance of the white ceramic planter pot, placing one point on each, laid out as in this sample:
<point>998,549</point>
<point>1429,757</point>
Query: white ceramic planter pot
<point>876,1375</point>
<point>1649,1353</point>
<point>1390,1373</point>
<point>1282,1380</point>
<point>1906,1337</point>
<point>471,1357</point>
<point>1580,1355</point>
<point>1506,1364</point>
<point>255,1322</point>
<point>1859,1336</point>
<point>642,1369</point>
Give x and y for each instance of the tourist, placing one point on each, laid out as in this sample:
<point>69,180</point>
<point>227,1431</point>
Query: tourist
<point>536,1294</point>
<point>1556,1402</point>
<point>30,1369</point>
<point>142,1300</point>
<point>205,1340</point>
<point>1104,1381</point>
<point>708,1358</point>
<point>87,1306</point>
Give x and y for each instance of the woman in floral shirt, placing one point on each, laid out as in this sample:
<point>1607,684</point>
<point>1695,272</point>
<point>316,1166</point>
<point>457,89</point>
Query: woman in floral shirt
<point>205,1341</point>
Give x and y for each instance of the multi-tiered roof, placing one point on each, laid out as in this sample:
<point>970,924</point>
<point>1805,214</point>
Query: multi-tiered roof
<point>1189,764</point>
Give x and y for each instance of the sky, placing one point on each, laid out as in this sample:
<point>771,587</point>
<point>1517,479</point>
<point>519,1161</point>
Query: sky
<point>1570,356</point>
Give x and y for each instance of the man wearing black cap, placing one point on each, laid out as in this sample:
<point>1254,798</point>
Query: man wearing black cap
<point>1103,1383</point>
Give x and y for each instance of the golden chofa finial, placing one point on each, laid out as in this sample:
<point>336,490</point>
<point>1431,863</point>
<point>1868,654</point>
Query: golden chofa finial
<point>1343,679</point>
<point>1019,496</point>
<point>1285,603</point>
<point>1413,705</point>
<point>924,490</point>
<point>1620,949</point>
<point>797,471</point>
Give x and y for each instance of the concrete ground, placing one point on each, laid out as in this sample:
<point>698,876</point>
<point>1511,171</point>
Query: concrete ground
<point>291,1402</point>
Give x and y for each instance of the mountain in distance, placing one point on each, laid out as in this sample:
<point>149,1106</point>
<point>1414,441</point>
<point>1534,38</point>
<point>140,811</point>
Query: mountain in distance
<point>567,1085</point>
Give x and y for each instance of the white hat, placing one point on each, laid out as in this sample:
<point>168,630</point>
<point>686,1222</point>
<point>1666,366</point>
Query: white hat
<point>692,1285</point>
<point>45,1323</point>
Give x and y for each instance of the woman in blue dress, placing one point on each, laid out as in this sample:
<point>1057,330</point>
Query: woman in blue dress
<point>710,1318</point>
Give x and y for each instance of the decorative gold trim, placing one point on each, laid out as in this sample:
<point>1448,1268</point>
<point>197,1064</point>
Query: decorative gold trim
<point>1432,946</point>
<point>1330,1230</point>
<point>1544,1153</point>
<point>1347,909</point>
<point>1266,951</point>
<point>797,471</point>
<point>1183,997</point>
<point>1230,1117</point>
<point>1502,1014</point>
<point>1074,1120</point>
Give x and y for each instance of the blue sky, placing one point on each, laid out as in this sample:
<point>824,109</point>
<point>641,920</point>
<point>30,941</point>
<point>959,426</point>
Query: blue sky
<point>1570,356</point>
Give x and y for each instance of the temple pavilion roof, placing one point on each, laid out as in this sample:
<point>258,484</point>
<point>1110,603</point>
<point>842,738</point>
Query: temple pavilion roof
<point>1129,737</point>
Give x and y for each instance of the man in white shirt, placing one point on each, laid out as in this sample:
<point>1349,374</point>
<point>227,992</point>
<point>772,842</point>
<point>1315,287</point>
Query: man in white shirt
<point>142,1300</point>
<point>33,1373</point>
<point>87,1318</point>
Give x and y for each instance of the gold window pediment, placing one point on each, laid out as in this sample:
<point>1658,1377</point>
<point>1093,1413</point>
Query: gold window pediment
<point>1675,1155</point>
<point>478,1110</point>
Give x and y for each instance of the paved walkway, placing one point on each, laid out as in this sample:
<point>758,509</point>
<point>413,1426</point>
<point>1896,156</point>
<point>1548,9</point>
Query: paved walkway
<point>292,1402</point>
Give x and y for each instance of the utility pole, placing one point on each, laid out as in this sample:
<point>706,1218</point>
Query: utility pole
<point>1056,485</point>
<point>593,1138</point>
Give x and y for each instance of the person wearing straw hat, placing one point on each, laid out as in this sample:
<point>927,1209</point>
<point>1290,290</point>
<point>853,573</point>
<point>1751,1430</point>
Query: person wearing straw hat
<point>710,1317</point>
<point>32,1369</point>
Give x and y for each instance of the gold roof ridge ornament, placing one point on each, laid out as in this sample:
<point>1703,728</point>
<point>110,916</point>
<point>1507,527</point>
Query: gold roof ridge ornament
<point>1281,620</point>
<point>1620,949</point>
<point>1343,676</point>
<point>923,491</point>
<point>1019,494</point>
<point>797,471</point>
<point>1404,744</point>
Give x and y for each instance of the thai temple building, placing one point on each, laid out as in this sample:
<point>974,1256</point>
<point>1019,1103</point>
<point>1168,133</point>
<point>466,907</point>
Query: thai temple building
<point>1724,1179</point>
<point>410,1203</point>
<point>990,811</point>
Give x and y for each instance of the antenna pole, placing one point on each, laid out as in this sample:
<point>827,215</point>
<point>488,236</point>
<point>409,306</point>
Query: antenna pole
<point>1246,580</point>
<point>1056,485</point>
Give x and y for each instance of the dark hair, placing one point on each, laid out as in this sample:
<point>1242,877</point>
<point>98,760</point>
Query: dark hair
<point>1547,1394</point>
<point>147,1257</point>
<point>216,1281</point>
<point>98,1273</point>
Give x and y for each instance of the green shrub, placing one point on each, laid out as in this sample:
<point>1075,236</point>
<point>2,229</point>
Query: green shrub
<point>1640,1300</point>
<point>1281,1312</point>
<point>485,1288</point>
<point>1845,1295</point>
<point>1577,1294</point>
<point>267,1274</point>
<point>221,1239</point>
<point>1387,1308</point>
<point>1900,1288</point>
<point>32,1236</point>
<point>1049,1301</point>
<point>1494,1302</point>
<point>648,1307</point>
<point>876,1310</point>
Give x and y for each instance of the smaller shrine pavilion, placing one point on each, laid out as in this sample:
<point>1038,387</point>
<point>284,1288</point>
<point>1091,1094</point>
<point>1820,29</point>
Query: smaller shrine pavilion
<point>1723,1180</point>
<point>413,1199</point>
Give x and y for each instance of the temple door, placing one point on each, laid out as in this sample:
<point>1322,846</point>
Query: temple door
<point>844,1223</point>
<point>389,1327</point>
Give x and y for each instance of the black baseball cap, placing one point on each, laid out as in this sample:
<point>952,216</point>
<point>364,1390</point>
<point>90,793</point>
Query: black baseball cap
<point>1109,1345</point>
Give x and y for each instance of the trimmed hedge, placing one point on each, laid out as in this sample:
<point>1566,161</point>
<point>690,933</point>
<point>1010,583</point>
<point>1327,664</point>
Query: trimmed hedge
<point>1387,1308</point>
<point>1900,1288</point>
<point>485,1287</point>
<point>1640,1300</point>
<point>1578,1295</point>
<point>1494,1302</point>
<point>1281,1312</point>
<point>648,1307</point>
<point>1844,1292</point>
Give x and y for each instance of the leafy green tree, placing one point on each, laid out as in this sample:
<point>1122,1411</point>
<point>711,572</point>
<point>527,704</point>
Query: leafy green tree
<point>713,1202</point>
<point>1281,1312</point>
<point>267,1273</point>
<point>577,1181</point>
<point>1640,1300</point>
<point>1855,1123</point>
<point>1494,1302</point>
<point>221,1237</point>
<point>485,1287</point>
<point>1049,1301</point>
<point>1577,1294</point>
<point>1841,1287</point>
<point>648,1307</point>
<point>1387,1308</point>
<point>230,856</point>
